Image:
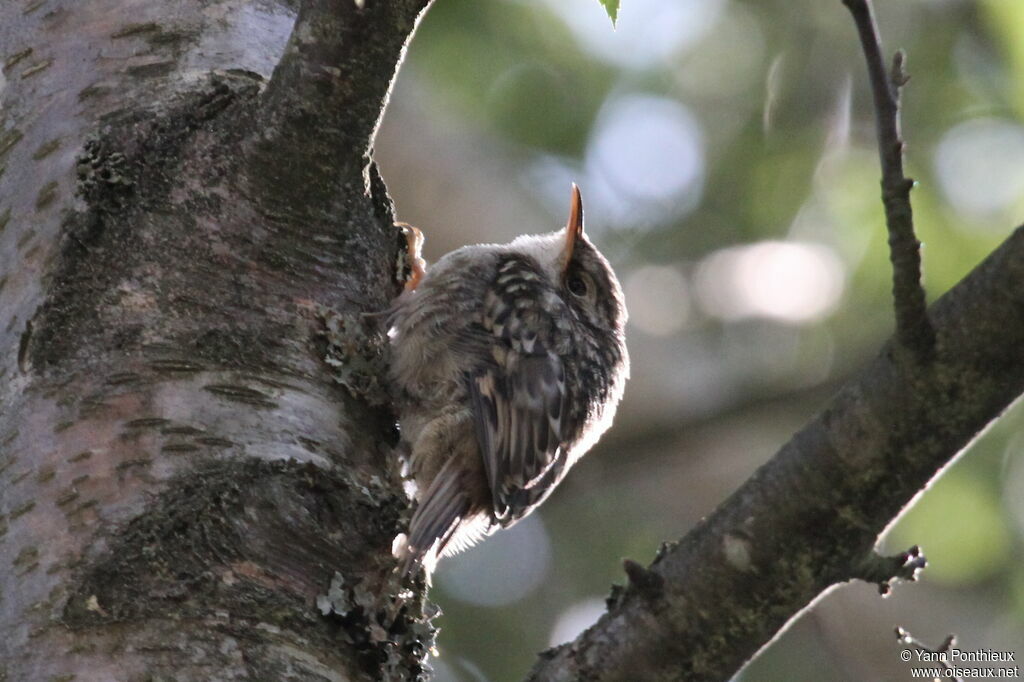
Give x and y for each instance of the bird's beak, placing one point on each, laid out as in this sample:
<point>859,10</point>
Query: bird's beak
<point>574,228</point>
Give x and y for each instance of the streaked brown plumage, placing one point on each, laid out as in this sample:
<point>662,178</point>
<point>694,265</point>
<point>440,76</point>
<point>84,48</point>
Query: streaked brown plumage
<point>508,362</point>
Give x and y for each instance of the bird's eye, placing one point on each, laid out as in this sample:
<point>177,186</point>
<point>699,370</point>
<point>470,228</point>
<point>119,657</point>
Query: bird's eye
<point>577,285</point>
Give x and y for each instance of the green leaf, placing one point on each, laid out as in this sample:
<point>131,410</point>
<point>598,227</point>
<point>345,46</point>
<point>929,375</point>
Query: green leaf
<point>612,8</point>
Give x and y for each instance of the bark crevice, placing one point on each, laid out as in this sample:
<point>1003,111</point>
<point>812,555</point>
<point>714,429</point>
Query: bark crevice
<point>126,173</point>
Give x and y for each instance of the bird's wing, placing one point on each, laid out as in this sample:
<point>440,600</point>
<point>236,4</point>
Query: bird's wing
<point>519,409</point>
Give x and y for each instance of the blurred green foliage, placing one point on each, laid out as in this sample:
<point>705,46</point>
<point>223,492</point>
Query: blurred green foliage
<point>783,151</point>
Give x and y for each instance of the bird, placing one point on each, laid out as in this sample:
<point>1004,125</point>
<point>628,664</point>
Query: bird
<point>508,362</point>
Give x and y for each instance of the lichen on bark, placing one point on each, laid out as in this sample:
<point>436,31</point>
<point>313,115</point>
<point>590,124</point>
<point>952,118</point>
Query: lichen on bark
<point>182,474</point>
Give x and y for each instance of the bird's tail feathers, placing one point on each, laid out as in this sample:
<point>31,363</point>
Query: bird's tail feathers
<point>435,522</point>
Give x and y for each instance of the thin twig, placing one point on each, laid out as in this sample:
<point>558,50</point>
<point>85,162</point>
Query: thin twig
<point>914,331</point>
<point>885,570</point>
<point>939,656</point>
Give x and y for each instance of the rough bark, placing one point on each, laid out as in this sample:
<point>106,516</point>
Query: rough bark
<point>182,247</point>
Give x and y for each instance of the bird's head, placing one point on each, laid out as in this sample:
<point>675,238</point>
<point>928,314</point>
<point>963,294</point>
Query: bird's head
<point>579,272</point>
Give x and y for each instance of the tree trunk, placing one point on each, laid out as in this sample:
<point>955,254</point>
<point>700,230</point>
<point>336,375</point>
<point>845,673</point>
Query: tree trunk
<point>193,435</point>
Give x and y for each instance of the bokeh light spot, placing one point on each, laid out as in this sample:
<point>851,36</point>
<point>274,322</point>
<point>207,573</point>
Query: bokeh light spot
<point>648,32</point>
<point>503,569</point>
<point>788,281</point>
<point>978,164</point>
<point>646,159</point>
<point>576,619</point>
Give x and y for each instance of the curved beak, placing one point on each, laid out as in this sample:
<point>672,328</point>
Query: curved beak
<point>574,228</point>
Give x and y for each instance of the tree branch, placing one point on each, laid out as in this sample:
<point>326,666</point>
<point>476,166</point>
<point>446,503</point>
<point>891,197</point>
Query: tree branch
<point>810,517</point>
<point>807,519</point>
<point>323,103</point>
<point>913,329</point>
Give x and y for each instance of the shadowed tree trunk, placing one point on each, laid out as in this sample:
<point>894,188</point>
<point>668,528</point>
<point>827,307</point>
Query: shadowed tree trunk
<point>183,241</point>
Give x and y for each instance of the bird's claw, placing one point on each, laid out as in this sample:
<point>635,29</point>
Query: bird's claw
<point>414,258</point>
